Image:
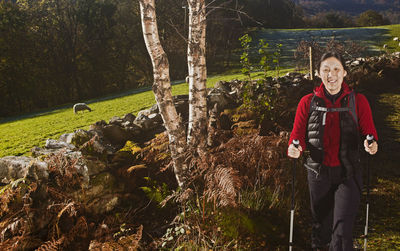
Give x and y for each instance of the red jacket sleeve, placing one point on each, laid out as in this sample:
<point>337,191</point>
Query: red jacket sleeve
<point>364,114</point>
<point>300,121</point>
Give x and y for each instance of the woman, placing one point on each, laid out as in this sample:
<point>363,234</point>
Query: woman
<point>329,123</point>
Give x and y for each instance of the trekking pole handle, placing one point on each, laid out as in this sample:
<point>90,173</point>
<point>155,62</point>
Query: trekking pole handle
<point>296,143</point>
<point>370,139</point>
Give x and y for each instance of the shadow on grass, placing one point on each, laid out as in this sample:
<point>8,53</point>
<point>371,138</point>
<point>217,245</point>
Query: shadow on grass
<point>384,98</point>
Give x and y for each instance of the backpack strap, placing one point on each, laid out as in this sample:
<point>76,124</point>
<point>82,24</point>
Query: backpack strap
<point>351,108</point>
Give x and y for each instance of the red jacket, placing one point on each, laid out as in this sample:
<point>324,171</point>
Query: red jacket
<point>331,139</point>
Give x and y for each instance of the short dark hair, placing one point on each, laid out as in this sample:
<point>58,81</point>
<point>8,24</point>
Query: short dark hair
<point>330,54</point>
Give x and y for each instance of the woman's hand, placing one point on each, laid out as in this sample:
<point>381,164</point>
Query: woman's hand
<point>371,148</point>
<point>294,152</point>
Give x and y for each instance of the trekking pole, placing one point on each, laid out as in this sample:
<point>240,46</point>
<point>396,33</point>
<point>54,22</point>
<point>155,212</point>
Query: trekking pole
<point>370,139</point>
<point>296,144</point>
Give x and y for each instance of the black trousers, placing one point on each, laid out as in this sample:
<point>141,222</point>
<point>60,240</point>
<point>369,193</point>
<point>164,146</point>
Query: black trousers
<point>334,205</point>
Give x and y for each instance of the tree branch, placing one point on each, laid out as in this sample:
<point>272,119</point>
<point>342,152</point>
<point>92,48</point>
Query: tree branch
<point>177,30</point>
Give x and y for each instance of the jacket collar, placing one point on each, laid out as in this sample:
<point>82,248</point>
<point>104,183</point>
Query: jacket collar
<point>319,91</point>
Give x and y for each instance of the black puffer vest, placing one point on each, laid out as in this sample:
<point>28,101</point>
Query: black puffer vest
<point>349,134</point>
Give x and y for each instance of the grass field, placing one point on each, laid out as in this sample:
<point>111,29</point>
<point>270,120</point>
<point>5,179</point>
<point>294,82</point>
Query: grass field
<point>373,38</point>
<point>19,134</point>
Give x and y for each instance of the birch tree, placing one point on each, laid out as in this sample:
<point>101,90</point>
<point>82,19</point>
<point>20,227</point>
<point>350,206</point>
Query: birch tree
<point>197,129</point>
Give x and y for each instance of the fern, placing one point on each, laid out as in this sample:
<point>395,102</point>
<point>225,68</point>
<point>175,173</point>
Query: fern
<point>129,243</point>
<point>52,245</point>
<point>222,186</point>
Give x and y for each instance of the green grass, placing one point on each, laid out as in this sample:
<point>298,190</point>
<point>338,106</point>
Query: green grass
<point>372,38</point>
<point>394,31</point>
<point>19,135</point>
<point>384,215</point>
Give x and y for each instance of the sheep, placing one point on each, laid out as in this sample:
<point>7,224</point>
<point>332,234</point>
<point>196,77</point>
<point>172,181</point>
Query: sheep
<point>385,46</point>
<point>396,39</point>
<point>81,107</point>
<point>187,79</point>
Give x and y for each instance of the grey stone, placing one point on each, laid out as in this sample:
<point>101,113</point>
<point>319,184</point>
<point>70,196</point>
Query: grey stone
<point>101,194</point>
<point>94,166</point>
<point>143,114</point>
<point>67,137</point>
<point>221,98</point>
<point>126,124</point>
<point>115,134</point>
<point>13,167</point>
<point>115,120</point>
<point>99,147</point>
<point>154,109</point>
<point>129,117</point>
<point>38,151</point>
<point>80,137</point>
<point>56,144</point>
<point>38,170</point>
<point>152,121</point>
<point>223,85</point>
<point>103,204</point>
<point>294,75</point>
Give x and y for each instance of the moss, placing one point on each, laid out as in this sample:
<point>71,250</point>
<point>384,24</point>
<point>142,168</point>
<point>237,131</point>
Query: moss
<point>234,223</point>
<point>243,115</point>
<point>103,183</point>
<point>80,138</point>
<point>104,179</point>
<point>132,147</point>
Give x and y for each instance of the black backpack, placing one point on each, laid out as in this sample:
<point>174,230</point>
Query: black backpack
<point>350,108</point>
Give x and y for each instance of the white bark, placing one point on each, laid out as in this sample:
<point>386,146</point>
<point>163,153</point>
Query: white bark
<point>162,89</point>
<point>196,55</point>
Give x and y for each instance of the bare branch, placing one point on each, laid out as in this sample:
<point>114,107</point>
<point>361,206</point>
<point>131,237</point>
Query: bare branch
<point>240,19</point>
<point>220,6</point>
<point>238,12</point>
<point>177,30</point>
<point>214,2</point>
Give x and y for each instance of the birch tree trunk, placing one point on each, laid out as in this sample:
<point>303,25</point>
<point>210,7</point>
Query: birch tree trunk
<point>162,89</point>
<point>197,129</point>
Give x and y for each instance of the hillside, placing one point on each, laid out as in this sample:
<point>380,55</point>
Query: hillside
<point>353,7</point>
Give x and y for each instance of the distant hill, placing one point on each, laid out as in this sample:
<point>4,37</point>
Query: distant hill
<point>353,7</point>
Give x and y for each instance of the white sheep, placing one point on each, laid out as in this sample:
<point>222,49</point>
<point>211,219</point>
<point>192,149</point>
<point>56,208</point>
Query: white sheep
<point>81,107</point>
<point>396,39</point>
<point>385,46</point>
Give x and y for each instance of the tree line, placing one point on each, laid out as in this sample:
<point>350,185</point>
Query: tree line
<point>63,51</point>
<point>57,52</point>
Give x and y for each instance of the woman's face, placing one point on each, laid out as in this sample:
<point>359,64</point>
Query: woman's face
<point>332,73</point>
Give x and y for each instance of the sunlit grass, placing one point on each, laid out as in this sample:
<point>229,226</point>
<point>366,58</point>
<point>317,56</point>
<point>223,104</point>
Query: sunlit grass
<point>19,135</point>
<point>394,31</point>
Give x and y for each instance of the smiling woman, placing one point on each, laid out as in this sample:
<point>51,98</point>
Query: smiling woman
<point>329,122</point>
<point>332,72</point>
